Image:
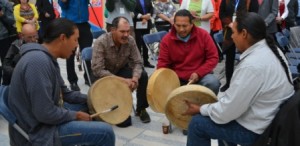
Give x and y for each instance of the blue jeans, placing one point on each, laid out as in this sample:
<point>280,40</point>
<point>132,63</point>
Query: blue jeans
<point>85,132</point>
<point>209,81</point>
<point>202,129</point>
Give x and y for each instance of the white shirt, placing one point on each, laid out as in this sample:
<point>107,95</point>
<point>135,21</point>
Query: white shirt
<point>286,10</point>
<point>258,86</point>
<point>207,7</point>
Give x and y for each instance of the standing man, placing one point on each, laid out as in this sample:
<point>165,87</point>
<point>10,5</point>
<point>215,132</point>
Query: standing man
<point>142,15</point>
<point>77,11</point>
<point>46,14</point>
<point>268,10</point>
<point>37,95</point>
<point>116,53</point>
<point>190,52</point>
<point>118,8</point>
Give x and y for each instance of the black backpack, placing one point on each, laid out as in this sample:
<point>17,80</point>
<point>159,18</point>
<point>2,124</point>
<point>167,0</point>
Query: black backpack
<point>285,127</point>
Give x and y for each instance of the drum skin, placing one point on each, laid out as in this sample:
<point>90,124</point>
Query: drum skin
<point>107,92</point>
<point>176,103</point>
<point>160,84</point>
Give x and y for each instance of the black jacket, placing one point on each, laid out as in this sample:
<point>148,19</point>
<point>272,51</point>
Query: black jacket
<point>43,7</point>
<point>11,59</point>
<point>285,128</point>
<point>139,10</point>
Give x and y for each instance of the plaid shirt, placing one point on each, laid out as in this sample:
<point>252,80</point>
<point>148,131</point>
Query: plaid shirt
<point>108,59</point>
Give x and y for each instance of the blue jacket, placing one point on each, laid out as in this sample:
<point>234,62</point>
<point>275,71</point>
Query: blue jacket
<point>75,10</point>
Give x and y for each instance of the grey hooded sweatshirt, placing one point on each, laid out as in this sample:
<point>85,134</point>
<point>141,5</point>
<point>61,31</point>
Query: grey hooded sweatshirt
<point>34,97</point>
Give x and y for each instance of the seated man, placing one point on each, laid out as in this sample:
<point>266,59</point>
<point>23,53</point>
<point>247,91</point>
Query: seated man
<point>116,53</point>
<point>260,83</point>
<point>28,34</point>
<point>190,52</point>
<point>37,93</point>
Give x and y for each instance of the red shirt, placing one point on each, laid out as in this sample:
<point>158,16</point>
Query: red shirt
<point>199,54</point>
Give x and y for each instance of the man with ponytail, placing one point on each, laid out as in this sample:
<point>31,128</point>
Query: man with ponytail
<point>260,83</point>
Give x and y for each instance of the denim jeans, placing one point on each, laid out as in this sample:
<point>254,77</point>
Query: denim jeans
<point>209,81</point>
<point>202,129</point>
<point>85,132</point>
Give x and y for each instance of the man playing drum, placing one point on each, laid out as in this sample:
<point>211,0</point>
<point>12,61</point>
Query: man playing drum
<point>37,92</point>
<point>116,53</point>
<point>260,83</point>
<point>190,52</point>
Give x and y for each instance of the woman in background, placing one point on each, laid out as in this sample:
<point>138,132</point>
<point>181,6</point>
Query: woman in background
<point>25,12</point>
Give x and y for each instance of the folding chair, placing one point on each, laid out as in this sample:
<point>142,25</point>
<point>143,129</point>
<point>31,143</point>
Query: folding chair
<point>295,37</point>
<point>6,112</point>
<point>219,38</point>
<point>152,42</point>
<point>86,55</point>
<point>96,31</point>
<point>292,58</point>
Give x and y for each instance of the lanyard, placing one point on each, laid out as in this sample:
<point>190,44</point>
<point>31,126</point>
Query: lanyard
<point>236,5</point>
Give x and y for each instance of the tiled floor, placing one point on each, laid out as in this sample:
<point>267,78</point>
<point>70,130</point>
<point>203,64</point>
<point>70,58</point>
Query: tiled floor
<point>138,134</point>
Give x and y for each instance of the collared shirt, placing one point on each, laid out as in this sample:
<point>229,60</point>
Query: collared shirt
<point>108,59</point>
<point>258,86</point>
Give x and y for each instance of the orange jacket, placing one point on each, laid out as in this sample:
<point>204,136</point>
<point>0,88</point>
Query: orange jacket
<point>215,22</point>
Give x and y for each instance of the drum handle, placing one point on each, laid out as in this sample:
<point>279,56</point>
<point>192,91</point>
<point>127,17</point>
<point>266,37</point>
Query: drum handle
<point>105,111</point>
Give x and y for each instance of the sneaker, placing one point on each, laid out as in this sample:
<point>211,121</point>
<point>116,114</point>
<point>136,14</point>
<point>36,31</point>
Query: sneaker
<point>144,116</point>
<point>126,123</point>
<point>74,87</point>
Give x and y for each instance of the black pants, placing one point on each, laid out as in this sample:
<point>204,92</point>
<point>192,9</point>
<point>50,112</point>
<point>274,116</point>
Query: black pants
<point>139,33</point>
<point>85,40</point>
<point>5,44</point>
<point>141,90</point>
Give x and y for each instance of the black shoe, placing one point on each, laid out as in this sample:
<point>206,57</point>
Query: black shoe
<point>74,87</point>
<point>126,123</point>
<point>144,116</point>
<point>147,64</point>
<point>184,132</point>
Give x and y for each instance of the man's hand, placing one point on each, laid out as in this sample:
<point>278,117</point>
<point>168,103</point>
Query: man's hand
<point>194,78</point>
<point>147,16</point>
<point>82,116</point>
<point>131,84</point>
<point>192,108</point>
<point>144,21</point>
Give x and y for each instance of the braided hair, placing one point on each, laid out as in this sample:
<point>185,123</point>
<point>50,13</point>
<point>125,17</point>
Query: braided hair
<point>256,26</point>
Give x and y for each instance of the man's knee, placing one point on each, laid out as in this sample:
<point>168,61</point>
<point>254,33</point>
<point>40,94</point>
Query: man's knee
<point>211,82</point>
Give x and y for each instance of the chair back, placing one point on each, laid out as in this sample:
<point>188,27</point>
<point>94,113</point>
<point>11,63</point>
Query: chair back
<point>86,54</point>
<point>219,38</point>
<point>152,42</point>
<point>282,40</point>
<point>6,112</point>
<point>286,33</point>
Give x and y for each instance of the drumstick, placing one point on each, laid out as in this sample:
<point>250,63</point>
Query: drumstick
<point>105,111</point>
<point>190,82</point>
